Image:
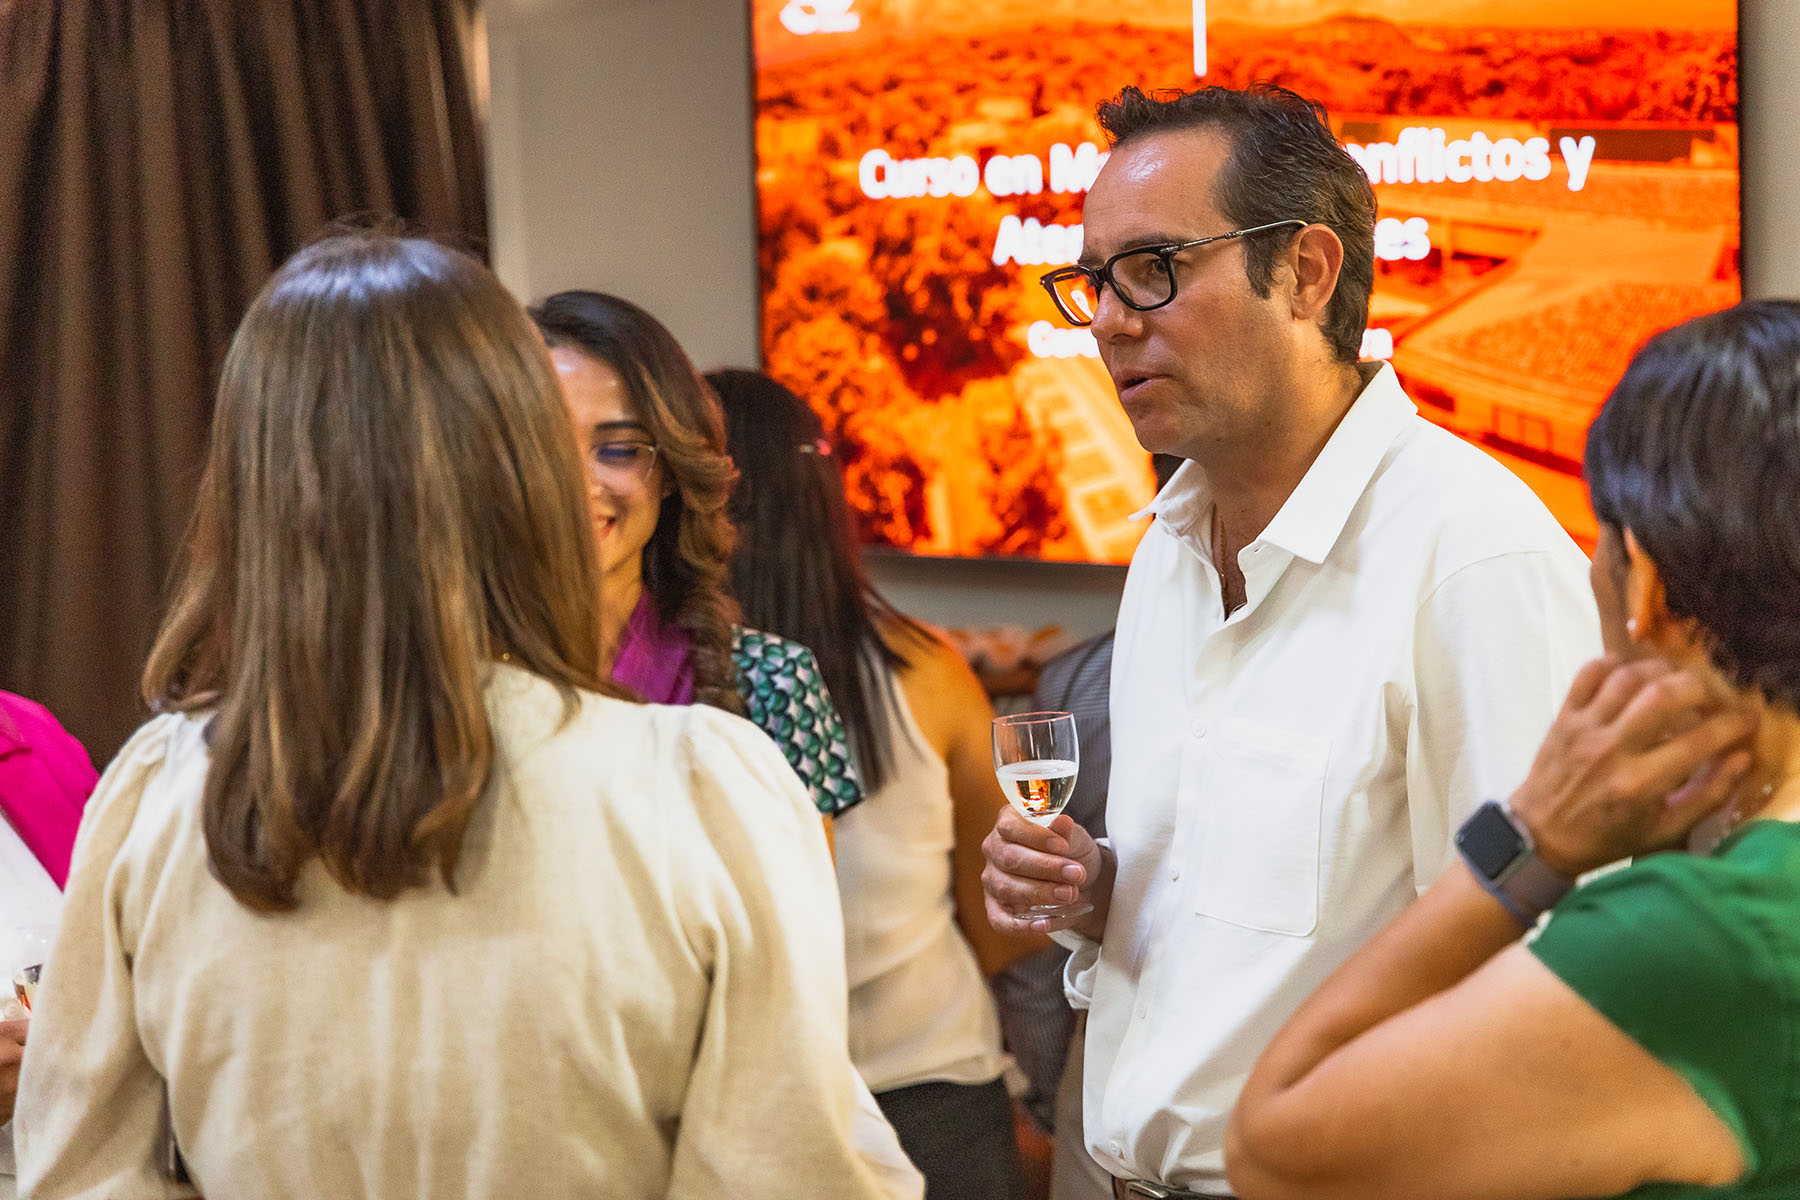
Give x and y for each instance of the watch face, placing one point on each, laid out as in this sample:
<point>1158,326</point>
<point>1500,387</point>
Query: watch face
<point>1489,840</point>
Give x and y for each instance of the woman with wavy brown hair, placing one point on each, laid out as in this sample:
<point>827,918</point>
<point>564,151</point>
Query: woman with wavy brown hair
<point>375,907</point>
<point>659,477</point>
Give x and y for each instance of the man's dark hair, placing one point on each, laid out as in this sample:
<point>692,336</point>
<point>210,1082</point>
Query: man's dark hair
<point>1284,163</point>
<point>1697,453</point>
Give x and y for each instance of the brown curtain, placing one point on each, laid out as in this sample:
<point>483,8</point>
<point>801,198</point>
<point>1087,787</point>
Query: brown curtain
<point>158,159</point>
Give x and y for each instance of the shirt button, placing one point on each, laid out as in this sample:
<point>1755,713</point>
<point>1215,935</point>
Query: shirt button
<point>1143,1009</point>
<point>1116,1149</point>
<point>1199,728</point>
<point>1175,871</point>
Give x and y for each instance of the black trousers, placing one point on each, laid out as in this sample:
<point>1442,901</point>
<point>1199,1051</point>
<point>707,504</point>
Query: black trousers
<point>960,1136</point>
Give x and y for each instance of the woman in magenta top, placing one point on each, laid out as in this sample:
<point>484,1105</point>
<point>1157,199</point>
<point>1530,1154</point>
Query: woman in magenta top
<point>45,778</point>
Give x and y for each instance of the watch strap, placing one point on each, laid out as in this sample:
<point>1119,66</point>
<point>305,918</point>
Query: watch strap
<point>1534,887</point>
<point>1523,885</point>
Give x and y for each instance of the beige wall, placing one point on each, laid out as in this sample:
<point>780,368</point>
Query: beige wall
<point>1769,32</point>
<point>619,158</point>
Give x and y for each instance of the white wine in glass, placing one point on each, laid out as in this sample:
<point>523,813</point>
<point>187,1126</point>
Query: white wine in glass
<point>25,947</point>
<point>25,981</point>
<point>1039,787</point>
<point>1037,756</point>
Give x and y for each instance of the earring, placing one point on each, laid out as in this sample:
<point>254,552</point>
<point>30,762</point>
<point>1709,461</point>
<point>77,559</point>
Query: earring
<point>1631,626</point>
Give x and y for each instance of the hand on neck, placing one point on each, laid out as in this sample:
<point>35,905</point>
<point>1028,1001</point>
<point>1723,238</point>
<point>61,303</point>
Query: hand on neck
<point>1634,584</point>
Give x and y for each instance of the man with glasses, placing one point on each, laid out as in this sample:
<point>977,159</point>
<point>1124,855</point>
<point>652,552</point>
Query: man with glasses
<point>1343,631</point>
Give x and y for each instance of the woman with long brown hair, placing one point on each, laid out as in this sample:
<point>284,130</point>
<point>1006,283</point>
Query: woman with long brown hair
<point>377,907</point>
<point>659,478</point>
<point>923,1028</point>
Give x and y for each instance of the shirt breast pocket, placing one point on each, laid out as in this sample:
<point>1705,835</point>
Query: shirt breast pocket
<point>1255,848</point>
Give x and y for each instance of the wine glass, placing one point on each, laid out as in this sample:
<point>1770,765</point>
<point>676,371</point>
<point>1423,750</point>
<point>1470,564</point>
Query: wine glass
<point>25,949</point>
<point>1036,756</point>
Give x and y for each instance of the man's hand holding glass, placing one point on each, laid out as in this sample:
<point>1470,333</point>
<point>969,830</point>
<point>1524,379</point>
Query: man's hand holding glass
<point>1037,865</point>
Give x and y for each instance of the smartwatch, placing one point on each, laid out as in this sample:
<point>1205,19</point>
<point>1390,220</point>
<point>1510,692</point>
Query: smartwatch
<point>1500,854</point>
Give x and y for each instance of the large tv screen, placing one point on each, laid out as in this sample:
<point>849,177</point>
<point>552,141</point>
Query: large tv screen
<point>1557,180</point>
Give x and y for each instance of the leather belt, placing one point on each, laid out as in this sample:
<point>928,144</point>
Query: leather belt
<point>1143,1189</point>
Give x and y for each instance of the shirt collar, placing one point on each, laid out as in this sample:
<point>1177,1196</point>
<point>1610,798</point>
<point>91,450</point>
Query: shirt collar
<point>1310,521</point>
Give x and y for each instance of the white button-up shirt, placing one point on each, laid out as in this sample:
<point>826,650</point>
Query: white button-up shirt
<point>1287,779</point>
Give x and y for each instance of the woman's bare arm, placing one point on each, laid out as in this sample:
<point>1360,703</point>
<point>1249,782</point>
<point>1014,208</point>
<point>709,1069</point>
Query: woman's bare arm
<point>1443,1061</point>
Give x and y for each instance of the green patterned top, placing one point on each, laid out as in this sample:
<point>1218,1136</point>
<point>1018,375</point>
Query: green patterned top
<point>784,694</point>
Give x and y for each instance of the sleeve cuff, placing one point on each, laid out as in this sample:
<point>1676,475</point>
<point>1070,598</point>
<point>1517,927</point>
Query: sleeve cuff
<point>1084,960</point>
<point>1079,971</point>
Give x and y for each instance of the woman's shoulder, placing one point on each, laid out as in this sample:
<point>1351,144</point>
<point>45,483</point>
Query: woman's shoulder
<point>167,740</point>
<point>927,650</point>
<point>943,694</point>
<point>725,766</point>
<point>1758,865</point>
<point>754,643</point>
<point>931,665</point>
<point>532,714</point>
<point>29,726</point>
<point>1734,911</point>
<point>149,794</point>
<point>758,649</point>
<point>785,695</point>
<point>909,637</point>
<point>629,763</point>
<point>23,721</point>
<point>935,672</point>
<point>771,666</point>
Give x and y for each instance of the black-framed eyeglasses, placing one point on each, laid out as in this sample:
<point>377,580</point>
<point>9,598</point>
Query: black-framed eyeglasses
<point>1143,278</point>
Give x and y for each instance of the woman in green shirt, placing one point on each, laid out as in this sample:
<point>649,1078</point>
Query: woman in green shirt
<point>1647,1042</point>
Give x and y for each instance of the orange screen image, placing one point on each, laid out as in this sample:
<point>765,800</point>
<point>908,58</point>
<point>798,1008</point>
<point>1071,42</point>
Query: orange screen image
<point>1557,180</point>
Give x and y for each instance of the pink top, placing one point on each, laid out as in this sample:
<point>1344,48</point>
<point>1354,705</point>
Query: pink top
<point>655,659</point>
<point>45,778</point>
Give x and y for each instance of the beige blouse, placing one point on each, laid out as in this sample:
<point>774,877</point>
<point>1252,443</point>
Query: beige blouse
<point>638,990</point>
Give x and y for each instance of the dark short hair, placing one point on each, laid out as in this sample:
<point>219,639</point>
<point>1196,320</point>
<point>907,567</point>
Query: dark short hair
<point>1697,453</point>
<point>1285,163</point>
